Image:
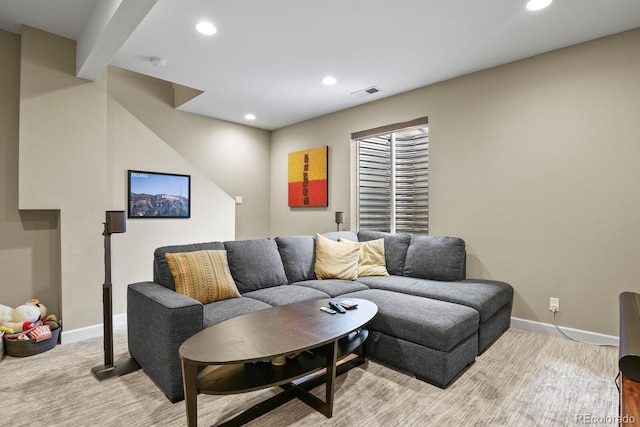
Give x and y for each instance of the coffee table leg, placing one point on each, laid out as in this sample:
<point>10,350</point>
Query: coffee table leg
<point>190,384</point>
<point>332,358</point>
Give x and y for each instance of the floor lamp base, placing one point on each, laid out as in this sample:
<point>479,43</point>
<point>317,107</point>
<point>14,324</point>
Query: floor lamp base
<point>120,368</point>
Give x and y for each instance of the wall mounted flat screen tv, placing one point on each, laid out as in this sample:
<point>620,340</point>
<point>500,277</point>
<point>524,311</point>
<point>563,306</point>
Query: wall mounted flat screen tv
<point>159,195</point>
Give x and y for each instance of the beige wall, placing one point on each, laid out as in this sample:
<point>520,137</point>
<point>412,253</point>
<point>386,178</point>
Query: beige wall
<point>62,164</point>
<point>533,163</point>
<point>75,144</point>
<point>29,246</point>
<point>132,145</point>
<point>233,156</point>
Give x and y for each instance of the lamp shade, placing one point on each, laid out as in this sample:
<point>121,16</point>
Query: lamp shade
<point>116,222</point>
<point>339,217</point>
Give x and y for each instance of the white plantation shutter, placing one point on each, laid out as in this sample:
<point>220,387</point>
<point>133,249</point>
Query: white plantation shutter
<point>393,181</point>
<point>412,184</point>
<point>374,192</point>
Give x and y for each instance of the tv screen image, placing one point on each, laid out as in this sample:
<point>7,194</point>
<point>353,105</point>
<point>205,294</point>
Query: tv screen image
<point>158,195</point>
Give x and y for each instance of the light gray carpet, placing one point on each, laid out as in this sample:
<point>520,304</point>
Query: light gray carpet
<point>524,379</point>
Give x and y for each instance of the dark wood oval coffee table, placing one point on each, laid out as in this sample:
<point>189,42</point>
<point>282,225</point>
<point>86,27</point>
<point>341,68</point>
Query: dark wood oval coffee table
<point>243,345</point>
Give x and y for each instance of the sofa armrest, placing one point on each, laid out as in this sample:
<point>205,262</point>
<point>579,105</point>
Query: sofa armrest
<point>159,320</point>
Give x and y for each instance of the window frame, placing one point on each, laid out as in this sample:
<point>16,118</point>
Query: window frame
<point>386,130</point>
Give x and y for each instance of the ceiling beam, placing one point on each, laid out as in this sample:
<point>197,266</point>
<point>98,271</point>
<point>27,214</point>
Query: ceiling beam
<point>107,29</point>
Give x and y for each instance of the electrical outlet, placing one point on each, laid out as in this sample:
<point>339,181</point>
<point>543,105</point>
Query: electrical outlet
<point>554,304</point>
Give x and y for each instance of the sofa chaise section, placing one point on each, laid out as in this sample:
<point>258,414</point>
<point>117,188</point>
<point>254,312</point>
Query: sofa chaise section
<point>433,340</point>
<point>491,299</point>
<point>435,267</point>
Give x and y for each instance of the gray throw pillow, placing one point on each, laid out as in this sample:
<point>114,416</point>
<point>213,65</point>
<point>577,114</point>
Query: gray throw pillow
<point>255,264</point>
<point>436,258</point>
<point>298,257</point>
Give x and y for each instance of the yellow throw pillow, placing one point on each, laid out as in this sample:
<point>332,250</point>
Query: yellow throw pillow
<point>202,275</point>
<point>371,261</point>
<point>335,260</point>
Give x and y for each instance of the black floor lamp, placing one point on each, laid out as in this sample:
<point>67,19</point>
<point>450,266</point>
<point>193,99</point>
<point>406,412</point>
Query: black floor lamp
<point>115,222</point>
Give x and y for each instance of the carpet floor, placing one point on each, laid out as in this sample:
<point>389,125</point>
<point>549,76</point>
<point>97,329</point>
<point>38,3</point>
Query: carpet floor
<point>524,379</point>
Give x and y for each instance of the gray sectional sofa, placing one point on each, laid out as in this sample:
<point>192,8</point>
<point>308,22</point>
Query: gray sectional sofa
<point>432,322</point>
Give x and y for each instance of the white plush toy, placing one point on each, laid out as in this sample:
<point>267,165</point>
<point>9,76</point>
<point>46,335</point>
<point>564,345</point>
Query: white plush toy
<point>16,318</point>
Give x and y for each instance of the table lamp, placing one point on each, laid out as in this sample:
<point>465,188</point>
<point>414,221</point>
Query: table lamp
<point>339,220</point>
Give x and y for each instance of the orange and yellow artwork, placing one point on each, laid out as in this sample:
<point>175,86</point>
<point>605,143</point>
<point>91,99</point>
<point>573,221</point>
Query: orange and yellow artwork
<point>308,183</point>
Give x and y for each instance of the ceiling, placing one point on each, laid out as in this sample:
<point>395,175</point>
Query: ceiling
<point>268,57</point>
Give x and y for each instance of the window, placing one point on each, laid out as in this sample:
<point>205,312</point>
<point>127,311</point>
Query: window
<point>393,178</point>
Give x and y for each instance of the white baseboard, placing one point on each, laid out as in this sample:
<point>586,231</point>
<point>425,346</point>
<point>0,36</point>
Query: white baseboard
<point>119,320</point>
<point>577,334</point>
<point>93,331</point>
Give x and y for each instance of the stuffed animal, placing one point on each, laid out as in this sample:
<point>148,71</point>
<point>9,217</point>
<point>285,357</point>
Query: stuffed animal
<point>22,317</point>
<point>52,321</point>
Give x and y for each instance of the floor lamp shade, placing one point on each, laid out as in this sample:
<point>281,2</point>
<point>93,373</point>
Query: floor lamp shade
<point>116,222</point>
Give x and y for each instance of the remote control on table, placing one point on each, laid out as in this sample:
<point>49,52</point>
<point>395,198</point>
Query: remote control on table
<point>328,310</point>
<point>337,307</point>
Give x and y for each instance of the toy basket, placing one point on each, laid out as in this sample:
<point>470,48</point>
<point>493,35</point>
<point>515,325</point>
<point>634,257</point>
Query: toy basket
<point>22,348</point>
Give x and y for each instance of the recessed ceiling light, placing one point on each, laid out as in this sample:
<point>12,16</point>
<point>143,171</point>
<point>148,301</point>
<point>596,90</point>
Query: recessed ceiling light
<point>329,80</point>
<point>206,28</point>
<point>538,4</point>
<point>250,116</point>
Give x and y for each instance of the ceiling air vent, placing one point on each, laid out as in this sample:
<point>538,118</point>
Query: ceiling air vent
<point>366,92</point>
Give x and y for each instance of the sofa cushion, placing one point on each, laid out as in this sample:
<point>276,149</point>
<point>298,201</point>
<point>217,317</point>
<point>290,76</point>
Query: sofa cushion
<point>435,324</point>
<point>298,255</point>
<point>485,296</point>
<point>333,287</point>
<point>220,311</point>
<point>436,258</point>
<point>287,294</point>
<point>162,272</point>
<point>395,248</point>
<point>202,275</point>
<point>255,264</point>
<point>336,260</point>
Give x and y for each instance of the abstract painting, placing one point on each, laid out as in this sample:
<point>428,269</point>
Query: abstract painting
<point>308,178</point>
